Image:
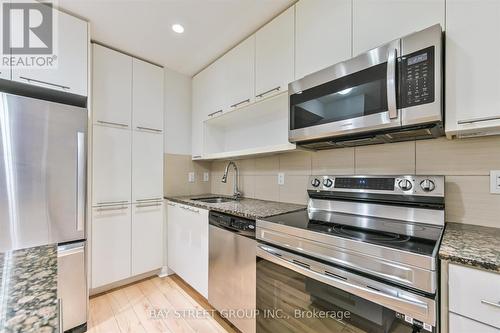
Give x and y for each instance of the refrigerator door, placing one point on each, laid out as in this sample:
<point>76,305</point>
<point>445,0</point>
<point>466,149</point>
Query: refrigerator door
<point>42,172</point>
<point>72,284</point>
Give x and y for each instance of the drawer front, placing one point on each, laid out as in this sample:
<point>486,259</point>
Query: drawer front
<point>459,324</point>
<point>475,294</point>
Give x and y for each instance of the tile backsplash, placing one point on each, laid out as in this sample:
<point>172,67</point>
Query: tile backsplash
<point>466,163</point>
<point>176,169</point>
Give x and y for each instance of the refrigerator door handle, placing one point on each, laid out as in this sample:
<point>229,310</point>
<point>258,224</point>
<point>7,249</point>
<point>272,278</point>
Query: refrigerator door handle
<point>80,187</point>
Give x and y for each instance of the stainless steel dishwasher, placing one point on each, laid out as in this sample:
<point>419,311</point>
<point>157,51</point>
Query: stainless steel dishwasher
<point>231,273</point>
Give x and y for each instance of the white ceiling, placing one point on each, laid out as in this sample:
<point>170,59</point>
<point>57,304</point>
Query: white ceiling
<point>143,27</point>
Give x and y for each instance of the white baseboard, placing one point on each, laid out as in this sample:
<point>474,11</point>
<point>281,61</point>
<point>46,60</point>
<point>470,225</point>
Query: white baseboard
<point>165,271</point>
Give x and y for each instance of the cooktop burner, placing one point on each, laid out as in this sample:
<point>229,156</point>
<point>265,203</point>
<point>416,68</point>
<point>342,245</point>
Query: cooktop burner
<point>395,234</point>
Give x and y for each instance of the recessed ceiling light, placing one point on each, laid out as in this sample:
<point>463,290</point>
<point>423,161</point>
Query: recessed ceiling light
<point>178,28</point>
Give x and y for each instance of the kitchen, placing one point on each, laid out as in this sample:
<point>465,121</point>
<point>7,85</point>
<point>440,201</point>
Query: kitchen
<point>250,166</point>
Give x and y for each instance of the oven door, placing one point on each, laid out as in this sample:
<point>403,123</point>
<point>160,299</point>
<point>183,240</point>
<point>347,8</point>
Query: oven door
<point>355,96</point>
<point>297,294</point>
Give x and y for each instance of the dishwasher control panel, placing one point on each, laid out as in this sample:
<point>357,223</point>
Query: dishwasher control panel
<point>231,223</point>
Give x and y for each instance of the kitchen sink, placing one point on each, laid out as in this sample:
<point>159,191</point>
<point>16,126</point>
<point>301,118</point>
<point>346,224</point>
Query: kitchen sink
<point>214,199</point>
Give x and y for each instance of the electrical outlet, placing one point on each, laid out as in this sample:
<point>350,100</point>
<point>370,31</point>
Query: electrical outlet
<point>206,176</point>
<point>191,177</point>
<point>495,181</point>
<point>281,178</point>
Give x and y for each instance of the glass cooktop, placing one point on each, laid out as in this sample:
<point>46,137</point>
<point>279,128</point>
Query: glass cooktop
<point>401,235</point>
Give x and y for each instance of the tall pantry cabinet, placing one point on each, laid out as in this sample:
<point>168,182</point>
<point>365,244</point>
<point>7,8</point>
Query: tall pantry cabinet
<point>127,167</point>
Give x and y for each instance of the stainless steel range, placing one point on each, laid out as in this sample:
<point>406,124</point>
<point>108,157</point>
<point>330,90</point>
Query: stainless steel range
<point>361,258</point>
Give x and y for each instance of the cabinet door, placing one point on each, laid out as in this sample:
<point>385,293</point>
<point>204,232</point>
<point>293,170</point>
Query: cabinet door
<point>112,87</point>
<point>112,153</point>
<point>274,55</point>
<point>200,109</point>
<point>71,48</point>
<point>472,76</point>
<point>188,245</point>
<point>322,34</point>
<point>147,237</point>
<point>147,96</point>
<point>459,324</point>
<point>377,22</point>
<point>238,70</point>
<point>110,244</point>
<point>147,166</point>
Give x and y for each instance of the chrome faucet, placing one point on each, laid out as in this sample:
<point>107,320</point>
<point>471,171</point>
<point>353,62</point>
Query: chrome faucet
<point>236,193</point>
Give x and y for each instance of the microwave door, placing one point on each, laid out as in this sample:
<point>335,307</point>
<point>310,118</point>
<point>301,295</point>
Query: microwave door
<point>360,96</point>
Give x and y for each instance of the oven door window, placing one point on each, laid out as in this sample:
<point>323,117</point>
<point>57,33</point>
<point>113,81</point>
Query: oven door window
<point>356,95</point>
<point>293,303</point>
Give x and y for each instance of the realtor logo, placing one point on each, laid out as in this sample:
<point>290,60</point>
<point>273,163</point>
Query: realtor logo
<point>27,28</point>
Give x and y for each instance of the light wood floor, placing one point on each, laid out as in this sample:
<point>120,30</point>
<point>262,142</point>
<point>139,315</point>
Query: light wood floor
<point>128,309</point>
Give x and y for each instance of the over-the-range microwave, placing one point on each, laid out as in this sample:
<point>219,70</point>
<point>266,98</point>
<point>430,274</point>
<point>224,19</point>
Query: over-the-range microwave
<point>390,93</point>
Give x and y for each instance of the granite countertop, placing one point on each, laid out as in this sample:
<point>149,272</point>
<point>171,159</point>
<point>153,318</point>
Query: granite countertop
<point>471,245</point>
<point>247,208</point>
<point>28,294</point>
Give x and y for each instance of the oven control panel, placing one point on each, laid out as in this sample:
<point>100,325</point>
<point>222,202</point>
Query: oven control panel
<point>399,185</point>
<point>416,78</point>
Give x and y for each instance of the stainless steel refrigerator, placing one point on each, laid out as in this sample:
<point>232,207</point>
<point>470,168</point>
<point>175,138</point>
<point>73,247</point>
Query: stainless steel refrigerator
<point>43,190</point>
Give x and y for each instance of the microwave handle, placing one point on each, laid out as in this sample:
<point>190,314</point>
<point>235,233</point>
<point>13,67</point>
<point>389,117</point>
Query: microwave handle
<point>391,83</point>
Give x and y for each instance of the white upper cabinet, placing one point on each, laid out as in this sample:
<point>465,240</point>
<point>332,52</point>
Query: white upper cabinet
<point>71,48</point>
<point>274,55</point>
<point>147,237</point>
<point>238,70</point>
<point>147,96</point>
<point>472,76</point>
<point>112,87</point>
<point>112,153</point>
<point>376,22</point>
<point>147,166</point>
<point>322,34</point>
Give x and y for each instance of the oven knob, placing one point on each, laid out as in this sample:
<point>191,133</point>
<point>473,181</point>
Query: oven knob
<point>315,182</point>
<point>427,185</point>
<point>328,182</point>
<point>405,184</point>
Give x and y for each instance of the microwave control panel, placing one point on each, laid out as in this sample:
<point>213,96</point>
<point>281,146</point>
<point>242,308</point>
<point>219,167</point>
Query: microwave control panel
<point>416,78</point>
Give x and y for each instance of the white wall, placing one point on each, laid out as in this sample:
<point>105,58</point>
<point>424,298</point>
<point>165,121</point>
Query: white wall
<point>177,113</point>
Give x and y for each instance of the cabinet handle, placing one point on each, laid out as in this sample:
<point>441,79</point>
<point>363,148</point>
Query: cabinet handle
<point>239,103</point>
<point>111,123</point>
<point>471,121</point>
<point>194,210</point>
<point>150,199</point>
<point>112,208</point>
<point>172,204</point>
<point>214,113</point>
<point>60,313</point>
<point>44,82</point>
<point>496,305</point>
<point>268,91</point>
<point>156,204</point>
<point>149,129</point>
<point>112,202</point>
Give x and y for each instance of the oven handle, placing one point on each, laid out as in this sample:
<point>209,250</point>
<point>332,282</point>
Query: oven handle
<point>395,303</point>
<point>391,82</point>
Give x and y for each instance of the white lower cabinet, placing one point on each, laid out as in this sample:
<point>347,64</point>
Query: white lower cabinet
<point>459,324</point>
<point>475,294</point>
<point>147,237</point>
<point>111,235</point>
<point>188,244</point>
